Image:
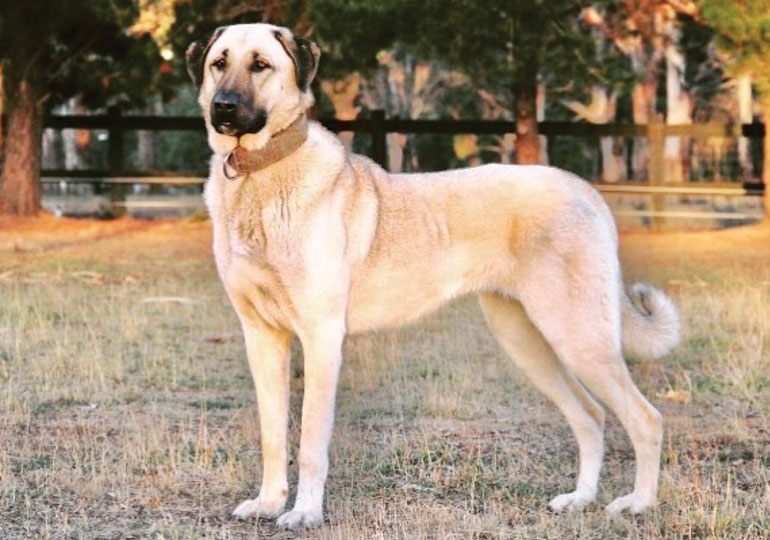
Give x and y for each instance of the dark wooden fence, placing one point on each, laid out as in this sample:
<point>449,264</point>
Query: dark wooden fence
<point>377,126</point>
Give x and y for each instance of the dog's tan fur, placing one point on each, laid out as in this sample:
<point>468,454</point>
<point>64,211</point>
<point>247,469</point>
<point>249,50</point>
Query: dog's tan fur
<point>323,243</point>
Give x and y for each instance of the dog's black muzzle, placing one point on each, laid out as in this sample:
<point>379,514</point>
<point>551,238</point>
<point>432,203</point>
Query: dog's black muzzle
<point>233,115</point>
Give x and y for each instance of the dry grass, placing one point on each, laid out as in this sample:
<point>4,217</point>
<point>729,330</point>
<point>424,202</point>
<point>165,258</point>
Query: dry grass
<point>123,419</point>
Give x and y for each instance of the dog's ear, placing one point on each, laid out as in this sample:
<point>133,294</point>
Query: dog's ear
<point>305,54</point>
<point>196,55</point>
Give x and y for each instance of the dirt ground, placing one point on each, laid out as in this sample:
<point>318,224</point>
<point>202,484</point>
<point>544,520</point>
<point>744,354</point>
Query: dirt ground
<point>746,248</point>
<point>127,410</point>
<point>46,232</point>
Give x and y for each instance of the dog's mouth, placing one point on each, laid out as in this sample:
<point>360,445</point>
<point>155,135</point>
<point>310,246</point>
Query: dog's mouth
<point>237,127</point>
<point>227,128</point>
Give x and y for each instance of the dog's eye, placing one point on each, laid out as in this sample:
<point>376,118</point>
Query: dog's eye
<point>259,65</point>
<point>219,64</point>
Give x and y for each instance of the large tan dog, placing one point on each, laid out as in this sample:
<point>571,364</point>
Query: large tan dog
<point>315,242</point>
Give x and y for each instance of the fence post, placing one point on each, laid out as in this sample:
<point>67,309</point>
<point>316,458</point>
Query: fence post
<point>115,160</point>
<point>379,140</point>
<point>656,138</point>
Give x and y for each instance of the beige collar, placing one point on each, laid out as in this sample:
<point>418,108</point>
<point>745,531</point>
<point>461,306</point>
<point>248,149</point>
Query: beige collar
<point>280,145</point>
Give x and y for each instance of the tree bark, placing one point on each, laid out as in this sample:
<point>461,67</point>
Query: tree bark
<point>2,101</point>
<point>540,104</point>
<point>677,113</point>
<point>73,138</point>
<point>20,190</point>
<point>745,116</point>
<point>766,156</point>
<point>601,110</point>
<point>525,114</point>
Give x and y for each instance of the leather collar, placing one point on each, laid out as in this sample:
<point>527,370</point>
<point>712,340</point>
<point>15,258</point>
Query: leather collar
<point>280,145</point>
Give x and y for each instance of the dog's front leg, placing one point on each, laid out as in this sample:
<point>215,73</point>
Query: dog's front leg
<point>323,357</point>
<point>268,352</point>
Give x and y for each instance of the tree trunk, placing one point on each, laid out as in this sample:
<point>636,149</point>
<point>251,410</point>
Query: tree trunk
<point>343,94</point>
<point>2,100</point>
<point>525,114</point>
<point>147,142</point>
<point>766,156</point>
<point>677,113</point>
<point>540,104</point>
<point>71,138</point>
<point>601,110</point>
<point>745,116</point>
<point>20,190</point>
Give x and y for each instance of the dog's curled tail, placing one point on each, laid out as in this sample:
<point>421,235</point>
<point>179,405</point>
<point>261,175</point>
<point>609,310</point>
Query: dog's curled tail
<point>650,322</point>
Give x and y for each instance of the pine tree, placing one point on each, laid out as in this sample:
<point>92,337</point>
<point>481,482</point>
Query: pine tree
<point>51,51</point>
<point>503,46</point>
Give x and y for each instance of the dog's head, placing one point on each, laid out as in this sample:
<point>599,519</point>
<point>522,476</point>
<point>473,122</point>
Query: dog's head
<point>254,80</point>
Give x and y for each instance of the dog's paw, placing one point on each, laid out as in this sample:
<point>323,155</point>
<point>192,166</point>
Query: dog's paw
<point>300,519</point>
<point>631,502</point>
<point>571,501</point>
<point>259,508</point>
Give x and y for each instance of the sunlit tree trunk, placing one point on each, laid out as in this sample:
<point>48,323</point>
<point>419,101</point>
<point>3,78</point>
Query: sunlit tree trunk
<point>73,157</point>
<point>613,162</point>
<point>677,113</point>
<point>541,96</point>
<point>525,114</point>
<point>2,101</point>
<point>48,158</point>
<point>343,94</point>
<point>765,103</point>
<point>20,191</point>
<point>642,107</point>
<point>745,116</point>
<point>601,110</point>
<point>147,142</point>
<point>398,88</point>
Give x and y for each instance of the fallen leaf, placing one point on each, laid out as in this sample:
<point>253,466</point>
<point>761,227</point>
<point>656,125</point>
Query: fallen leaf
<point>221,338</point>
<point>677,396</point>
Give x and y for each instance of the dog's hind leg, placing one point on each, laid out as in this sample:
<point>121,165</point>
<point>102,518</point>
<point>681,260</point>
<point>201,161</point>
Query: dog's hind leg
<point>574,301</point>
<point>530,352</point>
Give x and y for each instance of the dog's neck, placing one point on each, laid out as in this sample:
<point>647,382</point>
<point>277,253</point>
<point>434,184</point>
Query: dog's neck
<point>280,145</point>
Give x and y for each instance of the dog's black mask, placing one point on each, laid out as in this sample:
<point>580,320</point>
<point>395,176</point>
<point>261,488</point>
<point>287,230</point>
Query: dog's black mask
<point>232,114</point>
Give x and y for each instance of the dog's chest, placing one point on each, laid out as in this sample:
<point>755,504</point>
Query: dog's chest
<point>252,247</point>
<point>282,248</point>
<point>262,221</point>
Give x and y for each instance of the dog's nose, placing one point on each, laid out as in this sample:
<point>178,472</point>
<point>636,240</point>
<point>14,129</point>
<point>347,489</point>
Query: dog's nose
<point>232,114</point>
<point>225,102</point>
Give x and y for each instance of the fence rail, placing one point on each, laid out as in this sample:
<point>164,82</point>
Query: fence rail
<point>377,126</point>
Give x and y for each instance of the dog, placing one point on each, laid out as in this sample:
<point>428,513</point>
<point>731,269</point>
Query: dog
<point>315,242</point>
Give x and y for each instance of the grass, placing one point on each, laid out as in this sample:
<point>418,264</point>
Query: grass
<point>128,419</point>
